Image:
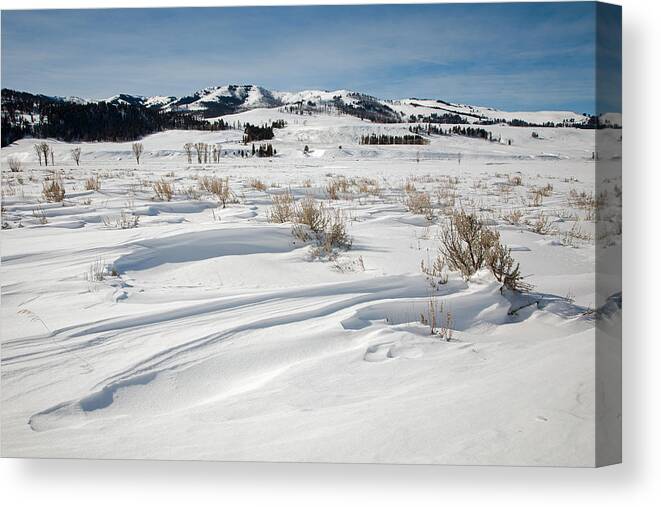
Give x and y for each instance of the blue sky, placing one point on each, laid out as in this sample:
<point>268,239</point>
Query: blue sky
<point>511,56</point>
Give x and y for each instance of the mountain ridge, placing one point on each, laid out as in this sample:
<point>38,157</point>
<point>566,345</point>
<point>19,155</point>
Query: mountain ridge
<point>70,117</point>
<point>215,101</point>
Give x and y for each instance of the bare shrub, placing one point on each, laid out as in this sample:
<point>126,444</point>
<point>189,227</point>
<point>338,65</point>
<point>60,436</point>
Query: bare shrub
<point>328,229</point>
<point>217,151</point>
<point>122,221</point>
<point>420,204</point>
<point>541,225</point>
<point>37,150</point>
<point>40,215</point>
<point>581,200</point>
<point>75,155</point>
<point>15,164</point>
<point>8,188</point>
<point>97,271</point>
<point>310,213</point>
<point>335,233</point>
<point>536,198</point>
<point>435,272</point>
<point>53,190</point>
<point>505,192</point>
<point>466,243</point>
<point>137,151</point>
<point>513,217</point>
<point>335,186</point>
<point>515,180</point>
<point>163,190</point>
<point>282,209</point>
<point>334,236</point>
<point>574,235</point>
<point>188,148</point>
<point>257,184</point>
<point>45,150</point>
<point>192,193</point>
<point>219,187</point>
<point>546,190</point>
<point>369,186</point>
<point>503,267</point>
<point>202,150</point>
<point>445,197</point>
<point>331,190</point>
<point>93,183</point>
<point>438,319</point>
<point>409,187</point>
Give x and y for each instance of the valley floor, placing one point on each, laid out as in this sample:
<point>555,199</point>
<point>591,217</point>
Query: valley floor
<point>211,333</point>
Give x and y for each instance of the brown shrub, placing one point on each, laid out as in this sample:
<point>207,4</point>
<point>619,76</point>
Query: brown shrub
<point>310,213</point>
<point>466,243</point>
<point>282,209</point>
<point>53,190</point>
<point>257,184</point>
<point>15,165</point>
<point>93,183</point>
<point>503,267</point>
<point>219,187</point>
<point>513,217</point>
<point>420,204</point>
<point>335,186</point>
<point>163,190</point>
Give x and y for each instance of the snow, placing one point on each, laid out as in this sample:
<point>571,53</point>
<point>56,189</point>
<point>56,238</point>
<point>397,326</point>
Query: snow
<point>255,97</point>
<point>472,114</point>
<point>159,101</point>
<point>311,95</point>
<point>219,336</point>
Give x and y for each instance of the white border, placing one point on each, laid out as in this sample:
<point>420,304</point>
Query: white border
<point>636,482</point>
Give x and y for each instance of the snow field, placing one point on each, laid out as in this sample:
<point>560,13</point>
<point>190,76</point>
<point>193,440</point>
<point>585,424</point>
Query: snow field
<point>211,333</point>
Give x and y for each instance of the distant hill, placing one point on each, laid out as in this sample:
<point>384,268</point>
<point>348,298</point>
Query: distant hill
<point>125,117</point>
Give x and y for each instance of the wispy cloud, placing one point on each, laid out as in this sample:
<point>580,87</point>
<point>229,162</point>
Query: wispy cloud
<point>516,56</point>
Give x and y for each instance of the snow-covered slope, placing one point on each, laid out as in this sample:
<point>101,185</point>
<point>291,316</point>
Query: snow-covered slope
<point>472,114</point>
<point>219,100</point>
<point>310,96</point>
<point>212,333</point>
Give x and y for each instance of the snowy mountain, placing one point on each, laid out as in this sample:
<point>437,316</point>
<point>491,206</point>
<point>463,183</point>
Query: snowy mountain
<point>27,114</point>
<point>209,102</point>
<point>216,101</point>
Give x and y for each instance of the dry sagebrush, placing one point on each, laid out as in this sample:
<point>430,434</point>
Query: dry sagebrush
<point>53,190</point>
<point>467,246</point>
<point>163,190</point>
<point>219,187</point>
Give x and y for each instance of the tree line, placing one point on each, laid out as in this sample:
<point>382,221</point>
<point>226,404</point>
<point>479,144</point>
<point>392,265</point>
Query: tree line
<point>389,139</point>
<point>253,133</point>
<point>447,118</point>
<point>366,107</point>
<point>40,116</point>
<point>474,132</point>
